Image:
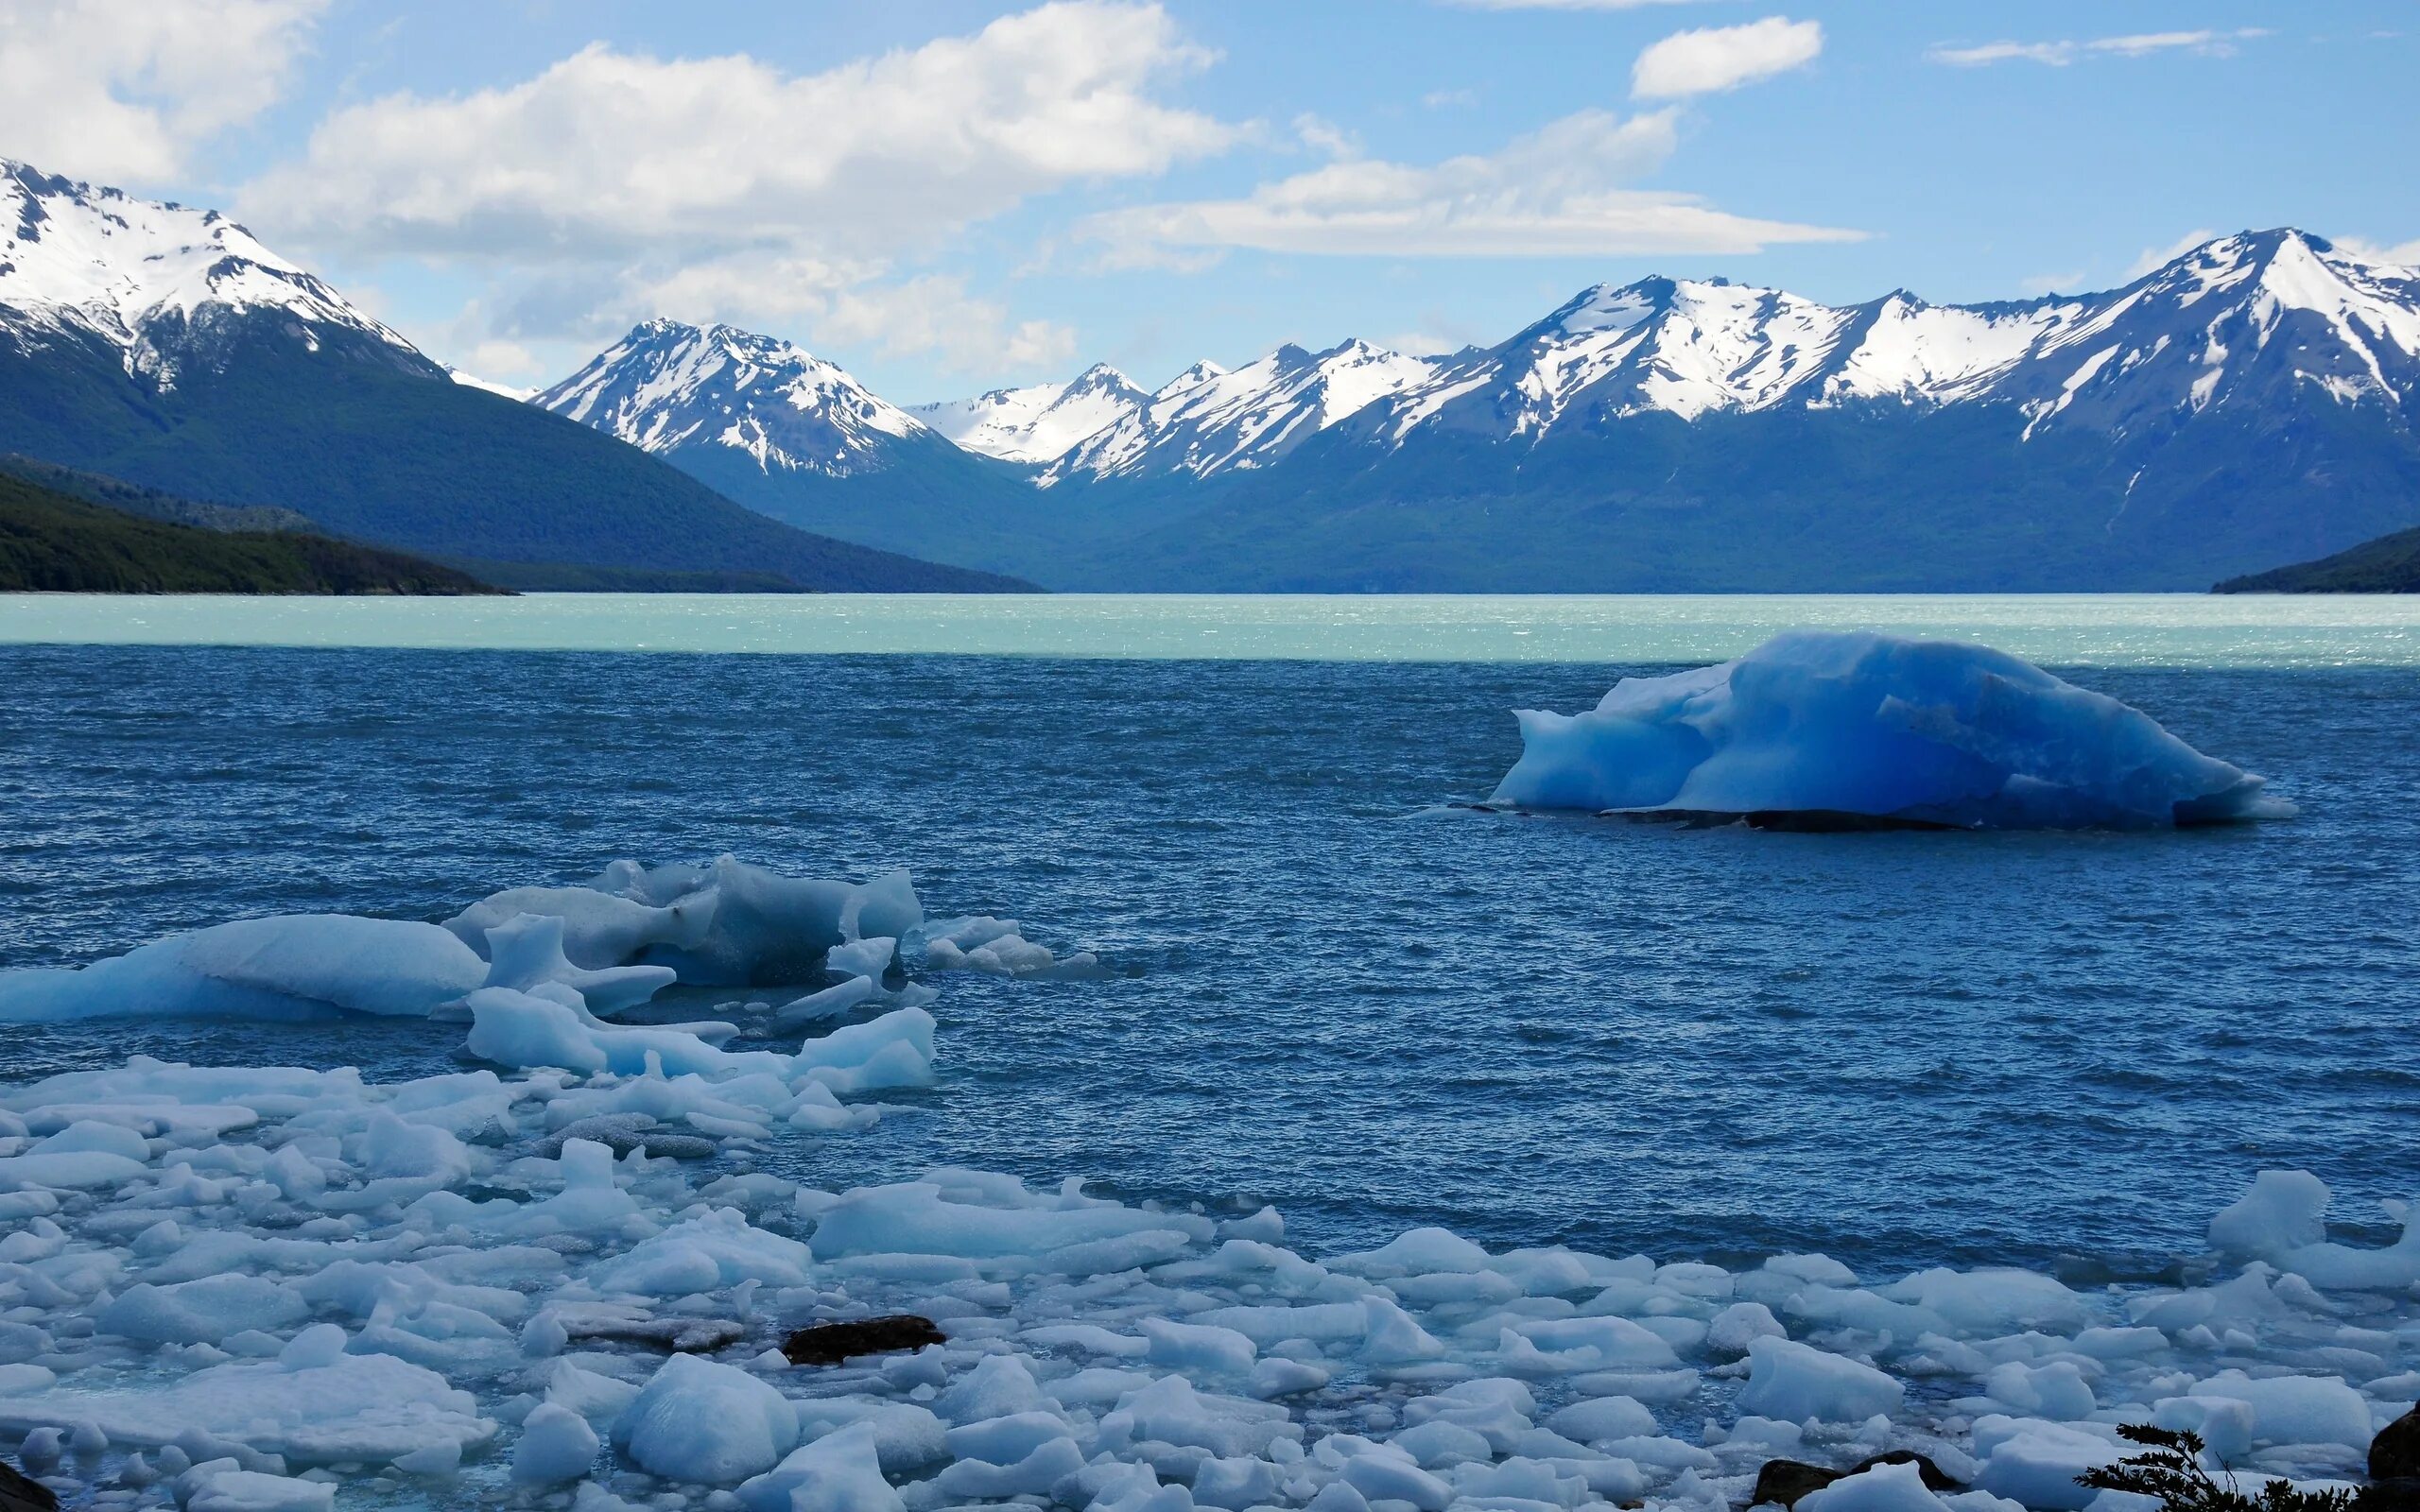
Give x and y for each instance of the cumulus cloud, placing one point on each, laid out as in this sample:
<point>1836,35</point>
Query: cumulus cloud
<point>1560,191</point>
<point>124,91</point>
<point>611,153</point>
<point>2059,53</point>
<point>614,185</point>
<point>1719,57</point>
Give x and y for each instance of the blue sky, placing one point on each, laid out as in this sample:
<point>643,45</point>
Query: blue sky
<point>946,195</point>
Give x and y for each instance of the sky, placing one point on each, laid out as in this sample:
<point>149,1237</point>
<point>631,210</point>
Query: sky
<point>946,197</point>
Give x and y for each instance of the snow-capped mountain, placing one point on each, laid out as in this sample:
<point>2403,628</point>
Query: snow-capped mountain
<point>1211,421</point>
<point>164,285</point>
<point>167,346</point>
<point>2241,314</point>
<point>668,384</point>
<point>1039,422</point>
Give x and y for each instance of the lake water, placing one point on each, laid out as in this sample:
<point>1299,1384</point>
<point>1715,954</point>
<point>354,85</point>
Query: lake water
<point>1331,992</point>
<point>2145,630</point>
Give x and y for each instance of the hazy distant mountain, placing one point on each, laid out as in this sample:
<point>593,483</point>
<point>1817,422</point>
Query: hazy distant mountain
<point>1037,424</point>
<point>166,346</point>
<point>1211,421</point>
<point>784,432</point>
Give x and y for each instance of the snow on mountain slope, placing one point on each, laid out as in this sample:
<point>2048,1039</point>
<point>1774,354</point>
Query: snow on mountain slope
<point>470,380</point>
<point>1210,421</point>
<point>668,384</point>
<point>2179,340</point>
<point>1039,423</point>
<point>150,278</point>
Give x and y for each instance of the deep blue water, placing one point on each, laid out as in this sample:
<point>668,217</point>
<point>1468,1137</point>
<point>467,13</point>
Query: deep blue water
<point>1334,995</point>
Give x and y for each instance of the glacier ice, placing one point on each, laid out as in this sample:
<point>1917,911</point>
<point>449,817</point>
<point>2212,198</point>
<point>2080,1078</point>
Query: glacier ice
<point>1835,726</point>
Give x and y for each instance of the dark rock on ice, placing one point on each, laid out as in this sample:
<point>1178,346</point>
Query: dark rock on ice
<point>23,1493</point>
<point>2394,1454</point>
<point>1782,1482</point>
<point>831,1343</point>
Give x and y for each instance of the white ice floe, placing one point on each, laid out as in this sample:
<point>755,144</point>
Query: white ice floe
<point>1844,727</point>
<point>240,1286</point>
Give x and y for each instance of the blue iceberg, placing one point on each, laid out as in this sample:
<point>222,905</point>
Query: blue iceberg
<point>1825,729</point>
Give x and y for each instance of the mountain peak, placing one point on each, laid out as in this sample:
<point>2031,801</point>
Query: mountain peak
<point>669,383</point>
<point>139,274</point>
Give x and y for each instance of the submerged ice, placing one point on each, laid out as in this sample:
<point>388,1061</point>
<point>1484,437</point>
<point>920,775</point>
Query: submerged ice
<point>1855,725</point>
<point>282,1286</point>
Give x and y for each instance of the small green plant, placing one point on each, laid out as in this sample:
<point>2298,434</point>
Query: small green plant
<point>2171,1469</point>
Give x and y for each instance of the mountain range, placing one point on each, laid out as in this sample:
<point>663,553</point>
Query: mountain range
<point>166,347</point>
<point>2254,401</point>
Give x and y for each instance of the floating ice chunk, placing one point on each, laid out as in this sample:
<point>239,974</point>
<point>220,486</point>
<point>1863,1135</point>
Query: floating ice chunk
<point>556,1445</point>
<point>1571,1345</point>
<point>1828,723</point>
<point>862,958</point>
<point>2225,1423</point>
<point>599,930</point>
<point>522,1029</point>
<point>907,1438</point>
<point>830,1003</point>
<point>1497,1408</point>
<point>2057,1390</point>
<point>1198,1349</point>
<point>1415,1252</point>
<point>1032,1476</point>
<point>2283,1220</point>
<point>724,923</point>
<point>892,1051</point>
<point>1883,1488</point>
<point>314,1404</point>
<point>298,966</point>
<point>1741,1324</point>
<point>1597,1419</point>
<point>2036,1463</point>
<point>2295,1409</point>
<point>714,1424</point>
<point>2285,1211</point>
<point>707,1253</point>
<point>199,1312</point>
<point>841,1471</point>
<point>1170,1411</point>
<point>1800,1384</point>
<point>914,1218</point>
<point>528,950</point>
<point>212,1489</point>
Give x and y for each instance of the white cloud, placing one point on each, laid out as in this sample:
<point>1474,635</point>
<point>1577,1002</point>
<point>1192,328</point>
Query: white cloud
<point>1720,57</point>
<point>2151,259</point>
<point>848,306</point>
<point>1326,137</point>
<point>2059,54</point>
<point>124,91</point>
<point>613,185</point>
<point>2405,254</point>
<point>1559,192</point>
<point>610,153</point>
